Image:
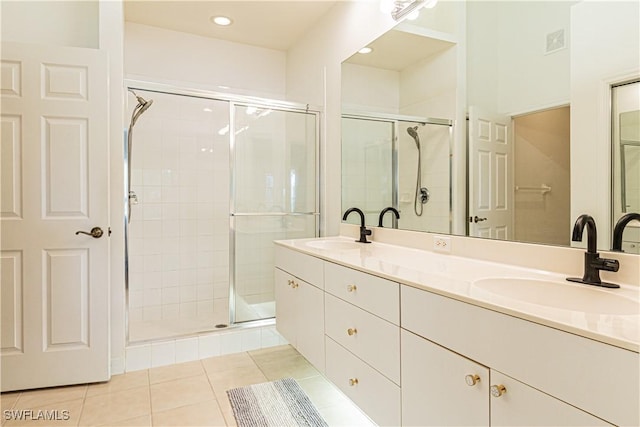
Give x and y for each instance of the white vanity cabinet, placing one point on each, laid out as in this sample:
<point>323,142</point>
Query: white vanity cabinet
<point>409,356</point>
<point>440,387</point>
<point>514,403</point>
<point>300,304</point>
<point>443,388</point>
<point>550,376</point>
<point>362,314</point>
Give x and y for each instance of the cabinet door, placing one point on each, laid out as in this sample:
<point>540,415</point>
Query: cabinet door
<point>435,389</point>
<point>310,323</point>
<point>521,405</point>
<point>285,306</point>
<point>375,394</point>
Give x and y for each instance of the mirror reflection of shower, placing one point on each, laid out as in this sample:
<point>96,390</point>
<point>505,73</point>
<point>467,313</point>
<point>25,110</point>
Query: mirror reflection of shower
<point>140,108</point>
<point>421,196</point>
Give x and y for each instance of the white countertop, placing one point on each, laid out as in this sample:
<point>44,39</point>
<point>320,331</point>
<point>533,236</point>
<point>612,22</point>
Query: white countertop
<point>611,316</point>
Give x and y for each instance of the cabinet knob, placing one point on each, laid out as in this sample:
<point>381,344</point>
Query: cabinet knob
<point>352,331</point>
<point>497,390</point>
<point>472,380</point>
<point>353,381</point>
<point>295,285</point>
<point>290,282</point>
<point>351,288</point>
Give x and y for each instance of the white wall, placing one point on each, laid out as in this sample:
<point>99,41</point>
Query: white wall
<point>598,59</point>
<point>508,70</point>
<point>161,55</point>
<point>313,75</point>
<point>62,23</point>
<point>541,156</point>
<point>370,89</point>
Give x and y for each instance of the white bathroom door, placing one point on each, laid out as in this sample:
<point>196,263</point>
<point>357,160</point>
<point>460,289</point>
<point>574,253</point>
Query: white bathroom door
<point>54,179</point>
<point>490,175</point>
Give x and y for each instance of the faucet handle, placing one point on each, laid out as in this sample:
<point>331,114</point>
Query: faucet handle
<point>608,264</point>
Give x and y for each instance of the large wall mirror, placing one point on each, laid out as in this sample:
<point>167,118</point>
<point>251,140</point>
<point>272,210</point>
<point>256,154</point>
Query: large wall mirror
<point>460,119</point>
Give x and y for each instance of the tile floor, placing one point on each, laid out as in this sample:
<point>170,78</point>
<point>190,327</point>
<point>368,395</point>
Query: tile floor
<point>186,394</point>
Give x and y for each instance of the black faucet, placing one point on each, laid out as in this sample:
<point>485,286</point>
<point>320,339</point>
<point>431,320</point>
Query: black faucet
<point>619,229</point>
<point>592,261</point>
<point>363,231</point>
<point>384,211</point>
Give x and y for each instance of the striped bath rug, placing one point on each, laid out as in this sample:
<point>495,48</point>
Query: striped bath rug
<point>276,403</point>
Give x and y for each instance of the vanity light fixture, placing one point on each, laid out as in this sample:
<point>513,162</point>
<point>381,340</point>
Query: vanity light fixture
<point>365,50</point>
<point>223,21</point>
<point>401,8</point>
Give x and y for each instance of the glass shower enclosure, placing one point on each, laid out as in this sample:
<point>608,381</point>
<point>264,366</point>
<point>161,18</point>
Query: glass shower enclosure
<point>214,179</point>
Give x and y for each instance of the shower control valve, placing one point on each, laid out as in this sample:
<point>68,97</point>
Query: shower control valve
<point>424,195</point>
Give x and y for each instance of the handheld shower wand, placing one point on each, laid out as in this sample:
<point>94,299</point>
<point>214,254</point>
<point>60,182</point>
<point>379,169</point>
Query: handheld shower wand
<point>424,193</point>
<point>142,106</point>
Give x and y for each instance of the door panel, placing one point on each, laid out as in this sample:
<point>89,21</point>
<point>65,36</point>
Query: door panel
<point>490,175</point>
<point>54,156</point>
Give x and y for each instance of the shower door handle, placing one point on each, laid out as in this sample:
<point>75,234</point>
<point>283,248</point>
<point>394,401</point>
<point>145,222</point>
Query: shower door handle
<point>96,232</point>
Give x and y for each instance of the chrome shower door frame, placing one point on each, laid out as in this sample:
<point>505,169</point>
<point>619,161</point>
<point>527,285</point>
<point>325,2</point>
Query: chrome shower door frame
<point>233,214</point>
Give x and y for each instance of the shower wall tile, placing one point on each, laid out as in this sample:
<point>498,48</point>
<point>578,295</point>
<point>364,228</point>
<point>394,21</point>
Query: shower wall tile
<point>251,339</point>
<point>209,345</point>
<point>152,313</point>
<point>188,310</point>
<point>138,357</point>
<point>186,350</point>
<point>163,353</point>
<point>231,342</point>
<point>170,311</point>
<point>205,308</point>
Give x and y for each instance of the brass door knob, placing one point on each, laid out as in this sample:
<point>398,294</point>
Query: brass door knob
<point>96,232</point>
<point>351,288</point>
<point>497,390</point>
<point>352,331</point>
<point>472,380</point>
<point>353,381</point>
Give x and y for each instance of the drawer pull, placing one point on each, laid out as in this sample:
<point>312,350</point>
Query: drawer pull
<point>472,380</point>
<point>353,382</point>
<point>290,282</point>
<point>352,331</point>
<point>351,288</point>
<point>295,285</point>
<point>498,390</point>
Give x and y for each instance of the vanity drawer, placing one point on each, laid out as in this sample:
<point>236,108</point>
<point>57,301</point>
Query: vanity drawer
<point>371,338</point>
<point>374,294</point>
<point>378,397</point>
<point>596,377</point>
<point>302,266</point>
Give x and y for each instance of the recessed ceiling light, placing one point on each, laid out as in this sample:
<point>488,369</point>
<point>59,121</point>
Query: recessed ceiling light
<point>365,50</point>
<point>221,20</point>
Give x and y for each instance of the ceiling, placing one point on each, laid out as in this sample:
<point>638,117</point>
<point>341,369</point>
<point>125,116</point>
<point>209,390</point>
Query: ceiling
<point>269,24</point>
<point>386,54</point>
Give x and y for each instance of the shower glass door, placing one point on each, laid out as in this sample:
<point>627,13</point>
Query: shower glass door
<point>274,196</point>
<point>368,173</point>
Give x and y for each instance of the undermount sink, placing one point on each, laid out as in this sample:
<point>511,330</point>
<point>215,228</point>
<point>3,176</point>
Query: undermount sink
<point>559,295</point>
<point>335,245</point>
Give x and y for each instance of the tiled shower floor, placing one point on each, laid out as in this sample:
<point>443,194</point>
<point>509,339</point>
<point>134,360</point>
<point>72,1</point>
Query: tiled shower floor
<point>187,394</point>
<point>147,330</point>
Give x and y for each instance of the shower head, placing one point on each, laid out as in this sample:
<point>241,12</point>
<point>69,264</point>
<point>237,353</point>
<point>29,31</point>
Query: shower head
<point>142,106</point>
<point>413,131</point>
